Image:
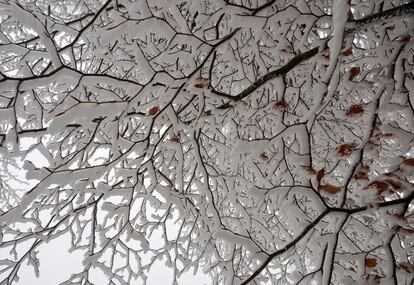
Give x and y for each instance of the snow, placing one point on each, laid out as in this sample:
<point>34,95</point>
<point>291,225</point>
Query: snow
<point>340,11</point>
<point>131,151</point>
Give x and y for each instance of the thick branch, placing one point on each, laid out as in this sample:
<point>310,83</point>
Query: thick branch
<point>271,75</point>
<point>286,248</point>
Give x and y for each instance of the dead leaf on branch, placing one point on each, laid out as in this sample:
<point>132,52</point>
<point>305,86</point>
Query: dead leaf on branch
<point>153,110</point>
<point>264,156</point>
<point>326,54</point>
<point>310,170</point>
<point>399,217</point>
<point>380,186</point>
<point>346,149</point>
<point>385,135</point>
<point>200,85</point>
<point>280,105</point>
<point>175,139</point>
<point>321,174</point>
<point>373,279</point>
<point>407,267</point>
<point>362,173</point>
<point>347,52</point>
<point>406,231</point>
<point>354,110</point>
<point>370,262</point>
<point>353,72</point>
<point>331,189</point>
<point>404,91</point>
<point>369,83</point>
<point>396,185</point>
<point>201,82</point>
<point>408,161</point>
<point>385,185</point>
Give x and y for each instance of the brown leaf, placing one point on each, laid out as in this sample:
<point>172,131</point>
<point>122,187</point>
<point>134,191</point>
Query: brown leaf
<point>408,161</point>
<point>407,267</point>
<point>353,72</point>
<point>175,139</point>
<point>280,105</point>
<point>347,52</point>
<point>321,174</point>
<point>264,156</point>
<point>346,149</point>
<point>394,184</point>
<point>326,54</point>
<point>310,170</point>
<point>399,217</point>
<point>370,262</point>
<point>380,186</point>
<point>404,91</point>
<point>406,231</point>
<point>153,110</point>
<point>201,82</point>
<point>361,176</point>
<point>362,173</point>
<point>354,110</point>
<point>375,279</point>
<point>385,135</point>
<point>200,85</point>
<point>369,82</point>
<point>331,189</point>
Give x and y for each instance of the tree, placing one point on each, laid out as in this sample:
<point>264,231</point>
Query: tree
<point>264,142</point>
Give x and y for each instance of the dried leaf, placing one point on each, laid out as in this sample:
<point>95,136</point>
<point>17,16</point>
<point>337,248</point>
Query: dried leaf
<point>354,110</point>
<point>201,82</point>
<point>346,149</point>
<point>360,175</point>
<point>200,85</point>
<point>326,54</point>
<point>353,72</point>
<point>370,262</point>
<point>399,217</point>
<point>175,139</point>
<point>321,174</point>
<point>310,170</point>
<point>404,91</point>
<point>408,161</point>
<point>373,278</point>
<point>153,110</point>
<point>407,267</point>
<point>369,82</point>
<point>263,156</point>
<point>385,135</point>
<point>280,105</point>
<point>394,184</point>
<point>244,103</point>
<point>331,189</point>
<point>406,231</point>
<point>347,52</point>
<point>380,186</point>
<point>206,113</point>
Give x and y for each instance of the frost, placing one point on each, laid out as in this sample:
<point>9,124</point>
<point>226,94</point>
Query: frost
<point>208,142</point>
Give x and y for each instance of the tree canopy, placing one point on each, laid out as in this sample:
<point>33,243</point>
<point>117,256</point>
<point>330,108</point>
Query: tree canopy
<point>257,141</point>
